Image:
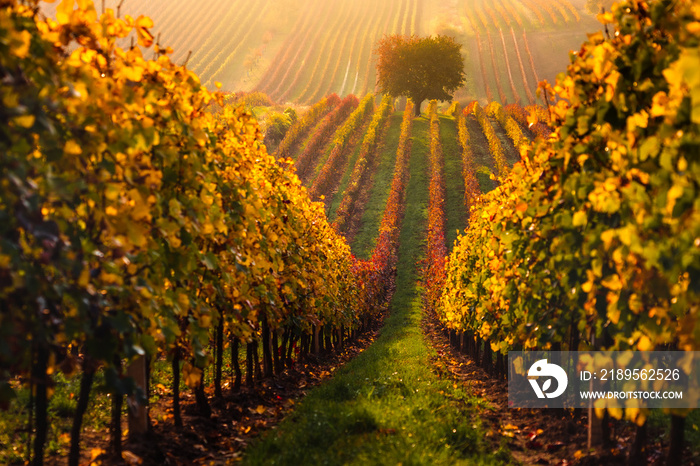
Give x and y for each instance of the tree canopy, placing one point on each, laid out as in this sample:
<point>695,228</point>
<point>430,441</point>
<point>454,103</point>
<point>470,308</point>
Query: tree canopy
<point>419,67</point>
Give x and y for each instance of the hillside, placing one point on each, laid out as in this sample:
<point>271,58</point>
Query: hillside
<point>300,52</point>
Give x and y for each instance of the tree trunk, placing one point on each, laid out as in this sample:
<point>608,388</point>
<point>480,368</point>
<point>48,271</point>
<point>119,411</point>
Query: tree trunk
<point>138,412</point>
<point>267,356</point>
<point>595,429</point>
<point>149,361</point>
<point>219,359</point>
<point>235,364</point>
<point>598,429</point>
<point>117,402</point>
<point>327,331</point>
<point>249,364</point>
<point>256,361</point>
<point>290,350</point>
<point>607,430</point>
<point>637,454</point>
<point>316,347</point>
<point>675,448</point>
<point>86,380</point>
<point>286,343</point>
<point>305,346</point>
<point>500,365</point>
<point>276,359</point>
<point>176,388</point>
<point>416,105</point>
<point>477,351</point>
<point>201,398</point>
<point>487,361</point>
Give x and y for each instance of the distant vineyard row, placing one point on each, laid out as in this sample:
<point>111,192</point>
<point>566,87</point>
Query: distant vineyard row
<point>301,52</point>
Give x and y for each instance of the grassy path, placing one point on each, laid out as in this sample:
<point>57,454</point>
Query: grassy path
<point>386,406</point>
<point>482,157</point>
<point>455,212</point>
<point>366,237</point>
<point>512,154</point>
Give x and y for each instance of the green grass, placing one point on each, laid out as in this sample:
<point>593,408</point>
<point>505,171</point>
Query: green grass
<point>658,419</point>
<point>366,237</point>
<point>62,405</point>
<point>386,406</point>
<point>321,161</point>
<point>455,212</point>
<point>300,148</point>
<point>483,176</point>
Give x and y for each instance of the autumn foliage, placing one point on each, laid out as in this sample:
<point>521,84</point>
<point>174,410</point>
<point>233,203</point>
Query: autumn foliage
<point>592,241</point>
<point>339,147</point>
<point>495,146</point>
<point>304,125</point>
<point>532,117</point>
<point>471,184</point>
<point>384,255</point>
<point>434,263</point>
<point>133,222</point>
<point>322,135</point>
<point>496,111</point>
<point>366,157</point>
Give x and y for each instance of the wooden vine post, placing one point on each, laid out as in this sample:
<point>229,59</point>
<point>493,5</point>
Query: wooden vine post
<point>138,410</point>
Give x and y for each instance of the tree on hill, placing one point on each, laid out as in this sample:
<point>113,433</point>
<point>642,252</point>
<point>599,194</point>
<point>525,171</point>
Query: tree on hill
<point>419,67</point>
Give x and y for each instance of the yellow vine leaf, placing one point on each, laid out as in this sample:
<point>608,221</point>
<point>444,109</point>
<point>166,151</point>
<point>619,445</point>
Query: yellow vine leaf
<point>95,452</point>
<point>72,148</point>
<point>613,282</point>
<point>21,44</point>
<point>645,344</point>
<point>580,219</point>
<point>145,38</point>
<point>64,11</point>
<point>24,121</point>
